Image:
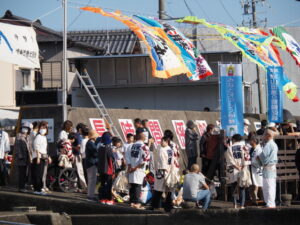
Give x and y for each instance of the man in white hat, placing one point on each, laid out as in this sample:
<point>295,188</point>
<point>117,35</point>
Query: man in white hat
<point>268,158</point>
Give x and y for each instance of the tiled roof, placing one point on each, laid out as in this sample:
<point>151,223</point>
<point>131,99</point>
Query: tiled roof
<point>113,42</point>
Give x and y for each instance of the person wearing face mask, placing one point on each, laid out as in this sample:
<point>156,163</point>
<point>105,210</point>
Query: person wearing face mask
<point>22,155</point>
<point>39,158</point>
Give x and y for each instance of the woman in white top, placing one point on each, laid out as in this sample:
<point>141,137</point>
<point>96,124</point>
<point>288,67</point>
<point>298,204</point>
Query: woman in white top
<point>66,129</point>
<point>39,157</point>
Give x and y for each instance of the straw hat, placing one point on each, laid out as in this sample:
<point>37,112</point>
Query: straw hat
<point>93,134</point>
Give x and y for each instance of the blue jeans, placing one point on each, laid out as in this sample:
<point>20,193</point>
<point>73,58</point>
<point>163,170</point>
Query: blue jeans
<point>238,196</point>
<point>204,196</point>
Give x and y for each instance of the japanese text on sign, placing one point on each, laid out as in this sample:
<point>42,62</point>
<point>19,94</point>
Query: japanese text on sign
<point>156,131</point>
<point>98,124</point>
<point>201,124</point>
<point>179,127</point>
<point>126,127</point>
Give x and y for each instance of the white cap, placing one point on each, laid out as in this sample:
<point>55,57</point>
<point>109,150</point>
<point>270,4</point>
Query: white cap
<point>272,124</point>
<point>246,122</point>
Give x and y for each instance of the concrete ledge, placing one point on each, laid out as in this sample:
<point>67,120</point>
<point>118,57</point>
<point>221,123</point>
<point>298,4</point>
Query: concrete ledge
<point>129,219</point>
<point>56,204</point>
<point>13,217</point>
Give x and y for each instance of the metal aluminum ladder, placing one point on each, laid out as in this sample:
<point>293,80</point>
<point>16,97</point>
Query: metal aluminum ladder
<point>89,86</point>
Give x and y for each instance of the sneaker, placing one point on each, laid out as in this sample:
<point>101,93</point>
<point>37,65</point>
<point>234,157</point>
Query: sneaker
<point>103,201</point>
<point>110,202</point>
<point>37,192</point>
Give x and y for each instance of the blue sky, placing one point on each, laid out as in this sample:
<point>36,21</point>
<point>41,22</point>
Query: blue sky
<point>278,12</point>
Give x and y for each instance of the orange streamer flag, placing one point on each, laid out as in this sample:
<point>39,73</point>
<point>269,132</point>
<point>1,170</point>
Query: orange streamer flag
<point>166,59</point>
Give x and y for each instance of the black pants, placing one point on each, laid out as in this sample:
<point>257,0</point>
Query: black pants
<point>191,161</point>
<point>22,176</point>
<point>37,171</point>
<point>156,200</point>
<point>3,173</point>
<point>205,165</point>
<point>105,187</point>
<point>135,193</point>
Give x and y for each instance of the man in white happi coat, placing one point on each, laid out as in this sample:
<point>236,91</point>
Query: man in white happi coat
<point>268,158</point>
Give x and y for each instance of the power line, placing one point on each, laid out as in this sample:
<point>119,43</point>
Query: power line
<point>203,11</point>
<point>79,14</point>
<point>188,8</point>
<point>229,15</point>
<point>112,9</point>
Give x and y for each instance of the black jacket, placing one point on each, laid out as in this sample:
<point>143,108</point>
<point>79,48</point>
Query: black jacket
<point>21,150</point>
<point>91,154</point>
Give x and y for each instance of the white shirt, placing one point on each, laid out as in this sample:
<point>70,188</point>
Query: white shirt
<point>138,154</point>
<point>63,135</point>
<point>82,147</point>
<point>4,144</point>
<point>40,145</point>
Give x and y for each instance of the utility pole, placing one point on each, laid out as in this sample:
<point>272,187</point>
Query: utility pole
<point>65,64</point>
<point>251,4</point>
<point>162,10</point>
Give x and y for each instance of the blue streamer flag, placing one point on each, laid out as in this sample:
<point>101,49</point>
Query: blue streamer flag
<point>232,119</point>
<point>275,99</point>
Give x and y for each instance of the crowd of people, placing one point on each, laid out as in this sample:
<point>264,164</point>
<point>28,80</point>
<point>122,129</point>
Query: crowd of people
<point>140,169</point>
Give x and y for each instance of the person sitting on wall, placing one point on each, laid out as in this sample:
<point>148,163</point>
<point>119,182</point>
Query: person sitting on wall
<point>206,109</point>
<point>195,188</point>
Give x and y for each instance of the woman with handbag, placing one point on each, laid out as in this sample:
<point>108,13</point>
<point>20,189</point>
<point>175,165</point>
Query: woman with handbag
<point>166,174</point>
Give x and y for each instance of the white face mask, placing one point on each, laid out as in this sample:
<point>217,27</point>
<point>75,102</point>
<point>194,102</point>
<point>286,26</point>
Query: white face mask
<point>24,130</point>
<point>43,131</point>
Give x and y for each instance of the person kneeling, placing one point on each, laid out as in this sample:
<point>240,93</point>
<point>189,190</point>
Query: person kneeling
<point>195,188</point>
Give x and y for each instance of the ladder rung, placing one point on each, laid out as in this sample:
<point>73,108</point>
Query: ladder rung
<point>82,76</point>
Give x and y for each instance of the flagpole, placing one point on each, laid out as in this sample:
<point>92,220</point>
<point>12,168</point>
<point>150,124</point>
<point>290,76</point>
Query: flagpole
<point>65,66</point>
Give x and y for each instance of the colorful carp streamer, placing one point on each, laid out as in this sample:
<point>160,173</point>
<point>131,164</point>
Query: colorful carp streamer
<point>192,58</point>
<point>165,56</point>
<point>257,46</point>
<point>288,43</point>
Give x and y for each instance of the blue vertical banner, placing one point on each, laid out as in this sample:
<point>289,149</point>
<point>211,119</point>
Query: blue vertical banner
<point>232,104</point>
<point>275,98</point>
